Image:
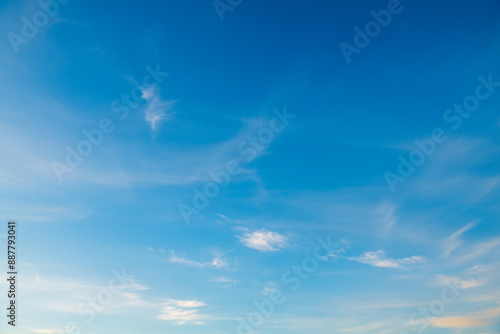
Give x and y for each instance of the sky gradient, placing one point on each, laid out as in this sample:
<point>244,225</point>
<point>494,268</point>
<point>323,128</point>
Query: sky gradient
<point>252,166</point>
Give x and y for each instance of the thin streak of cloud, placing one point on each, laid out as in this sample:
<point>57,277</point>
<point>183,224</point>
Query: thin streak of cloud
<point>478,319</point>
<point>481,249</point>
<point>444,280</point>
<point>226,282</point>
<point>454,241</point>
<point>379,259</point>
<point>218,262</point>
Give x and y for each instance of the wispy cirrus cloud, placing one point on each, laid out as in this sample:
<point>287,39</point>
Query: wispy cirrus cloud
<point>186,303</point>
<point>226,282</point>
<point>477,319</point>
<point>478,268</point>
<point>482,249</point>
<point>183,311</point>
<point>454,241</point>
<point>269,288</point>
<point>217,262</point>
<point>385,214</point>
<point>444,280</point>
<point>157,109</point>
<point>379,259</point>
<point>263,240</point>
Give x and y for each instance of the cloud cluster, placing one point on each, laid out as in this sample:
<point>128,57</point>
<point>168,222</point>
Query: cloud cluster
<point>263,240</point>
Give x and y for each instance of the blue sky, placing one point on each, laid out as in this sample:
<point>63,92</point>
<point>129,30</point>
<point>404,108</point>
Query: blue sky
<point>135,235</point>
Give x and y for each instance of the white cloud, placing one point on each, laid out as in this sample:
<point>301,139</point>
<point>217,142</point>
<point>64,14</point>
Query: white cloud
<point>478,269</point>
<point>156,108</point>
<point>186,303</point>
<point>263,240</point>
<point>218,262</point>
<point>227,282</point>
<point>478,319</point>
<point>269,288</point>
<point>379,259</point>
<point>453,241</point>
<point>183,311</point>
<point>223,219</point>
<point>444,280</point>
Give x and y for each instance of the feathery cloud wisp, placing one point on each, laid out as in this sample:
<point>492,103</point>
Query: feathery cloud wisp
<point>444,280</point>
<point>478,319</point>
<point>453,241</point>
<point>226,282</point>
<point>218,262</point>
<point>379,259</point>
<point>156,108</point>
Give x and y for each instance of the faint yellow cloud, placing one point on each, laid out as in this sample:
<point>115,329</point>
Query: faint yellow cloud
<point>478,319</point>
